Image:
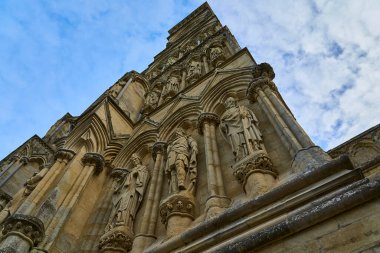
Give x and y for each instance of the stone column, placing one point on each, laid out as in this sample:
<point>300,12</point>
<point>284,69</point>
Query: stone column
<point>63,156</point>
<point>21,233</point>
<point>205,63</point>
<point>264,91</point>
<point>217,200</point>
<point>183,79</point>
<point>93,163</point>
<point>146,234</point>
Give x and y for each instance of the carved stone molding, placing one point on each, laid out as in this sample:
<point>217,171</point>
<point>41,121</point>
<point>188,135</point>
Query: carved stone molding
<point>26,226</point>
<point>117,240</point>
<point>207,117</point>
<point>94,159</point>
<point>158,147</point>
<point>65,155</point>
<point>177,204</point>
<point>259,161</point>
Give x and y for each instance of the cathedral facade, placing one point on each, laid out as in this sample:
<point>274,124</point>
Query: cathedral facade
<point>198,153</point>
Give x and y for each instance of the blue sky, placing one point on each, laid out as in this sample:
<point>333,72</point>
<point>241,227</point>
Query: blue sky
<point>59,56</point>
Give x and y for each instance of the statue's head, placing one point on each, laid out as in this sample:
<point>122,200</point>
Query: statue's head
<point>179,132</point>
<point>136,160</point>
<point>230,102</point>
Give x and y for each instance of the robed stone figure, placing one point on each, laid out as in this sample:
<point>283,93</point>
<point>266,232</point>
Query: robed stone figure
<point>128,195</point>
<point>239,126</point>
<point>181,164</point>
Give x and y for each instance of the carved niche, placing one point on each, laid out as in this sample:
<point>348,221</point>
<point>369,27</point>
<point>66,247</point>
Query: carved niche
<point>239,126</point>
<point>171,87</point>
<point>194,70</point>
<point>151,101</point>
<point>129,190</point>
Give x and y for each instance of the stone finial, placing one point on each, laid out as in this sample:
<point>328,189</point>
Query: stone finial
<point>31,227</point>
<point>207,117</point>
<point>65,155</point>
<point>94,159</point>
<point>158,147</point>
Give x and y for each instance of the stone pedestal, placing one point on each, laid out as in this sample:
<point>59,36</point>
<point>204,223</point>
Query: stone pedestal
<point>117,240</point>
<point>177,212</point>
<point>255,173</point>
<point>308,158</point>
<point>215,205</point>
<point>21,233</point>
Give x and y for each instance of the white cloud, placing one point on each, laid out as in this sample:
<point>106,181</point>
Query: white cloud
<point>325,55</point>
<point>59,56</point>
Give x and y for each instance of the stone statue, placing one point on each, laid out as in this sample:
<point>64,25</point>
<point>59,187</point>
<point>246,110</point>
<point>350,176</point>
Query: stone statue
<point>239,126</point>
<point>151,101</point>
<point>181,164</point>
<point>215,52</point>
<point>128,195</point>
<point>194,69</point>
<point>32,182</point>
<point>171,88</point>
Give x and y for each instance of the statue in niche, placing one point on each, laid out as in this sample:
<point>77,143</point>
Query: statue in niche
<point>195,69</point>
<point>171,88</point>
<point>151,101</point>
<point>181,164</point>
<point>216,55</point>
<point>128,195</point>
<point>239,126</point>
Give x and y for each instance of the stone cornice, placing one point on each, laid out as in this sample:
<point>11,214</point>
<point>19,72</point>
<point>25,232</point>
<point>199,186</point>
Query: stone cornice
<point>94,159</point>
<point>207,117</point>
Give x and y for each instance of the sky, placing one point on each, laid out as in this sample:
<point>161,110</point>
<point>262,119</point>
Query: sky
<point>59,56</point>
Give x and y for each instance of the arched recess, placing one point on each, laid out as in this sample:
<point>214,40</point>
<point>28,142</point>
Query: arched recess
<point>184,117</point>
<point>132,99</point>
<point>363,151</point>
<point>91,134</point>
<point>234,85</point>
<point>141,142</point>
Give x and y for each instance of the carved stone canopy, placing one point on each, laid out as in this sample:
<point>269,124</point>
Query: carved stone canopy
<point>207,117</point>
<point>30,227</point>
<point>64,154</point>
<point>94,159</point>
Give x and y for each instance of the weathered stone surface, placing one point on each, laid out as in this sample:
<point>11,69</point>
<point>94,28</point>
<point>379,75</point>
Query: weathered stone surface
<point>232,170</point>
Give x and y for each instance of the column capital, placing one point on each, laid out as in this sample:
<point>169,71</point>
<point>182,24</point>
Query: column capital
<point>260,84</point>
<point>29,227</point>
<point>207,117</point>
<point>94,159</point>
<point>64,154</point>
<point>158,147</point>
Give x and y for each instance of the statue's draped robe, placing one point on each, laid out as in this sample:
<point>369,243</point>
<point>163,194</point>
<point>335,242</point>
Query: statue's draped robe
<point>238,132</point>
<point>128,197</point>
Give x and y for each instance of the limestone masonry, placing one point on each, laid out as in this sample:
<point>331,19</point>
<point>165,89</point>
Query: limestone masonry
<point>198,153</point>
